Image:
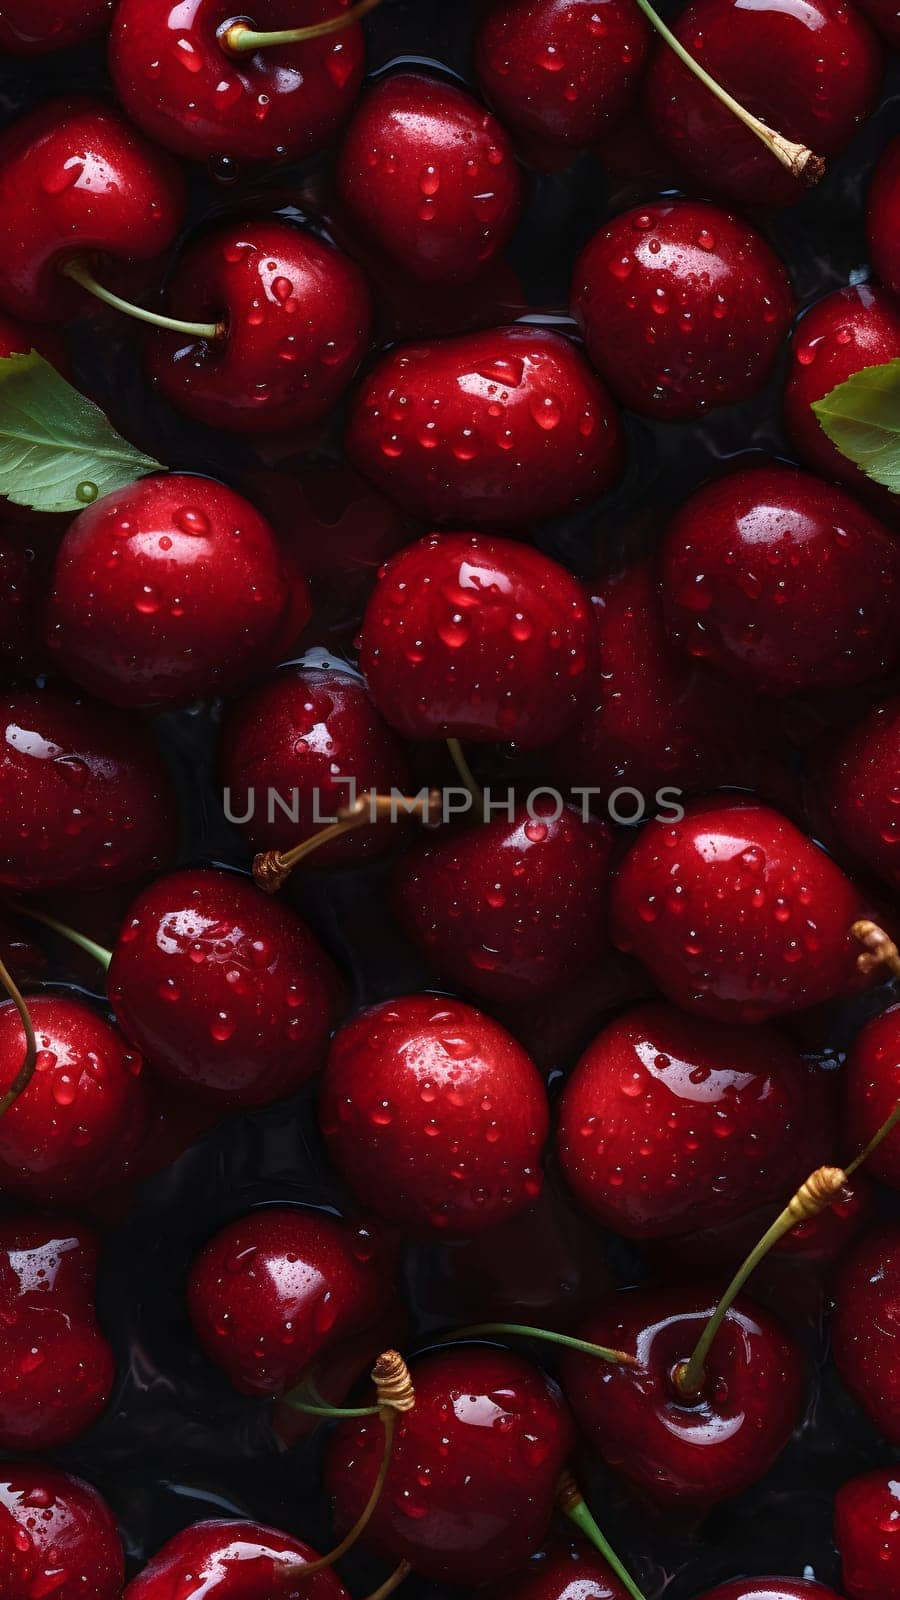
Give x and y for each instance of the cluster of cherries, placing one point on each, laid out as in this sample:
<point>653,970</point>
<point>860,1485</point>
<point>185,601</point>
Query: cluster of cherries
<point>693,967</point>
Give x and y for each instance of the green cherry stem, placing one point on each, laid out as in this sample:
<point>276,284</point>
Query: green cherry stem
<point>795,158</point>
<point>522,1330</point>
<point>97,951</point>
<point>391,1583</point>
<point>81,274</point>
<point>572,1503</point>
<point>240,39</point>
<point>469,781</point>
<point>272,868</point>
<point>26,1071</point>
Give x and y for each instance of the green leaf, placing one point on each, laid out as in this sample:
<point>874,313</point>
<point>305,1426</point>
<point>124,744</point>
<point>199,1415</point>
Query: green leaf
<point>58,452</point>
<point>862,417</point>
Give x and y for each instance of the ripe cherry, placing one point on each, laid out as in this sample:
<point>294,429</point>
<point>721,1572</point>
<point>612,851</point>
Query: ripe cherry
<point>829,72</point>
<point>771,1589</point>
<point>866,1525</point>
<point>233,1561</point>
<point>435,1115</point>
<point>737,915</point>
<point>35,27</point>
<point>278,1290</point>
<point>782,581</point>
<point>870,1084</point>
<point>683,307</point>
<point>295,316</point>
<point>472,637</point>
<point>170,589</point>
<point>694,1452</point>
<point>498,428</point>
<point>864,1332</point>
<point>885,17</point>
<point>225,990</point>
<point>883,218</point>
<point>567,1573</point>
<point>475,1465</point>
<point>58,1371</point>
<point>64,1540</point>
<point>862,790</point>
<point>429,178</point>
<point>77,182</point>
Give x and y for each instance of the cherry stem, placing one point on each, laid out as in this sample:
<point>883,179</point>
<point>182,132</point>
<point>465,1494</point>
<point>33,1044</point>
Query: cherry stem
<point>239,38</point>
<point>523,1330</point>
<point>797,159</point>
<point>391,1583</point>
<point>470,782</point>
<point>887,1127</point>
<point>98,951</point>
<point>26,1071</point>
<point>572,1503</point>
<point>879,950</point>
<point>272,868</point>
<point>82,275</point>
<point>306,1398</point>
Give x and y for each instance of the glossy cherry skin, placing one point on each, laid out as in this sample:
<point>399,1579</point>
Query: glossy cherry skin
<point>866,1525</point>
<point>683,308</point>
<point>174,77</point>
<point>560,72</point>
<point>782,581</point>
<point>864,1330</point>
<point>429,178</point>
<point>870,1085</point>
<point>58,1369</point>
<point>85,801</point>
<point>225,990</point>
<point>669,1123</point>
<point>35,27</point>
<point>770,1589</point>
<point>297,318</point>
<point>170,589</point>
<point>572,1573</point>
<point>510,909</point>
<point>829,72</point>
<point>76,180</point>
<point>884,16</point>
<point>498,428</point>
<point>862,791</point>
<point>470,1489</point>
<point>883,218</point>
<point>308,735</point>
<point>472,637</point>
<point>283,1286</point>
<point>233,1561</point>
<point>737,915</point>
<point>633,1416</point>
<point>64,1542</point>
<point>435,1115</point>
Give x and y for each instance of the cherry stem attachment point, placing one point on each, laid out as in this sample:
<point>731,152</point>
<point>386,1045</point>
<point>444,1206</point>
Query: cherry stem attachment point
<point>879,950</point>
<point>523,1330</point>
<point>272,868</point>
<point>797,159</point>
<point>26,1071</point>
<point>391,1583</point>
<point>572,1504</point>
<point>97,951</point>
<point>470,782</point>
<point>239,38</point>
<point>81,274</point>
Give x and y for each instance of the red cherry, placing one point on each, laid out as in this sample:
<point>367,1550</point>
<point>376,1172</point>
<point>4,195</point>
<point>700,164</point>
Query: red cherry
<point>782,581</point>
<point>307,736</point>
<point>75,180</point>
<point>225,990</point>
<point>635,1418</point>
<point>58,1371</point>
<point>669,1123</point>
<point>170,589</point>
<point>864,1332</point>
<point>501,428</point>
<point>567,1574</point>
<point>871,1088</point>
<point>471,1485</point>
<point>19,338</point>
<point>429,178</point>
<point>435,1115</point>
<point>737,915</point>
<point>866,1523</point>
<point>828,77</point>
<point>885,16</point>
<point>510,910</point>
<point>280,1288</point>
<point>233,1561</point>
<point>883,217</point>
<point>771,1589</point>
<point>64,1542</point>
<point>683,307</point>
<point>35,27</point>
<point>472,637</point>
<point>296,316</point>
<point>176,78</point>
<point>863,789</point>
<point>561,72</point>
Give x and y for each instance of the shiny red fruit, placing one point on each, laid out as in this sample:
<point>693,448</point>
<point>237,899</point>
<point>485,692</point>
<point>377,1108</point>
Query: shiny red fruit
<point>429,178</point>
<point>64,1543</point>
<point>561,72</point>
<point>770,1589</point>
<point>862,791</point>
<point>470,1489</point>
<point>570,1573</point>
<point>865,1336</point>
<point>296,318</point>
<point>225,990</point>
<point>278,1290</point>
<point>827,79</point>
<point>175,77</point>
<point>866,1529</point>
<point>435,1115</point>
<point>57,1373</point>
<point>883,217</point>
<point>168,590</point>
<point>233,1561</point>
<point>635,1418</point>
<point>683,307</point>
<point>468,636</point>
<point>669,1123</point>
<point>501,428</point>
<point>782,581</point>
<point>884,15</point>
<point>870,1084</point>
<point>76,180</point>
<point>737,915</point>
<point>35,27</point>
